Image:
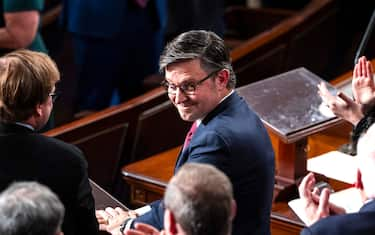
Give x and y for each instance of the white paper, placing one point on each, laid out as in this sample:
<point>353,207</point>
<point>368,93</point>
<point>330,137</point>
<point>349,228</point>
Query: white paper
<point>335,165</point>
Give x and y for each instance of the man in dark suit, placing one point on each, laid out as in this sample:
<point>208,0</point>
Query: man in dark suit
<point>200,82</point>
<point>318,208</point>
<point>27,92</point>
<point>117,43</point>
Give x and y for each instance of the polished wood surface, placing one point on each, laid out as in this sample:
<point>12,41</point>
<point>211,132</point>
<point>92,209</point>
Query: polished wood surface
<point>148,178</point>
<point>290,116</point>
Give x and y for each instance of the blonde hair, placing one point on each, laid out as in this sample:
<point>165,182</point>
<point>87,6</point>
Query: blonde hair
<point>26,80</point>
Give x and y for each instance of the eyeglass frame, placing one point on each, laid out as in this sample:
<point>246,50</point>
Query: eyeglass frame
<point>183,87</point>
<point>54,96</point>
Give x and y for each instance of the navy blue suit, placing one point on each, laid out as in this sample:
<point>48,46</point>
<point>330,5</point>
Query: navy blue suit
<point>361,223</point>
<point>233,139</point>
<point>116,44</point>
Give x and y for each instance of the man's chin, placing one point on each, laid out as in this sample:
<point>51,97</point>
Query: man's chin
<point>187,117</point>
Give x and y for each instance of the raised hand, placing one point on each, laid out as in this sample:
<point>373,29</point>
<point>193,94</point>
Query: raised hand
<point>363,85</point>
<point>341,105</point>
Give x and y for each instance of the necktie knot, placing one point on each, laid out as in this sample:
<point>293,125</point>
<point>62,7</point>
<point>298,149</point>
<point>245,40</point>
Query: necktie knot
<point>190,134</point>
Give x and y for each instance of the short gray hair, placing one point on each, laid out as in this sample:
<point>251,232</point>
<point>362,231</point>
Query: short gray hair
<point>29,208</point>
<point>201,198</point>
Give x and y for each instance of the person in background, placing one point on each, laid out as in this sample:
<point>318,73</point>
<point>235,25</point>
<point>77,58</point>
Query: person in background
<point>27,93</point>
<point>116,45</point>
<point>225,133</point>
<point>317,207</point>
<point>360,112</point>
<point>19,25</point>
<point>30,208</point>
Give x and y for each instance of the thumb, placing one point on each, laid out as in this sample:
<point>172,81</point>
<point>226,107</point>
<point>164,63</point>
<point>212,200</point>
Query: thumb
<point>345,98</point>
<point>323,207</point>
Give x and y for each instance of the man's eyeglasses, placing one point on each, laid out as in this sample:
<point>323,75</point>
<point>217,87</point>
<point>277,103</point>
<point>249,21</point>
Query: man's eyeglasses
<point>188,88</point>
<point>54,96</point>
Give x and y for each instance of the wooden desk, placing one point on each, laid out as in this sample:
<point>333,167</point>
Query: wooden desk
<point>288,105</point>
<point>148,179</point>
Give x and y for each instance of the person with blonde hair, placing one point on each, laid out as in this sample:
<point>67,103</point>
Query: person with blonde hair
<point>27,93</point>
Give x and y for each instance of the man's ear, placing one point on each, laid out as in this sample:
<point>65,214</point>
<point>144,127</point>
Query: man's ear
<point>170,222</point>
<point>39,110</point>
<point>222,78</point>
<point>234,210</point>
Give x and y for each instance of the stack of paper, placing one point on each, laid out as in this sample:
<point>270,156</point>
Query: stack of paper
<point>334,165</point>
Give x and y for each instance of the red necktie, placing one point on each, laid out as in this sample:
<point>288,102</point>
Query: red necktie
<point>141,3</point>
<point>190,134</point>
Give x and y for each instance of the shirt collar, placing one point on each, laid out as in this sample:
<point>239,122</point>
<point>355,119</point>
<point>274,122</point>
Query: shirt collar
<point>25,125</point>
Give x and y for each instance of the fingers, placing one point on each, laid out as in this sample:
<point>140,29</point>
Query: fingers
<point>324,93</point>
<point>363,67</point>
<point>346,99</point>
<point>111,212</point>
<point>370,69</point>
<point>103,219</point>
<point>142,229</point>
<point>323,207</point>
<point>306,186</point>
<point>146,228</point>
<point>133,232</point>
<point>102,216</point>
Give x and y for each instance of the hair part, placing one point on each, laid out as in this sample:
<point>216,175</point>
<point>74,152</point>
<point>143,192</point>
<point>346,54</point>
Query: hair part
<point>199,44</point>
<point>200,197</point>
<point>26,79</point>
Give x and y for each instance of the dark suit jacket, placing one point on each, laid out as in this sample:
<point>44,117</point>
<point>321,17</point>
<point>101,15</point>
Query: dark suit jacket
<point>233,138</point>
<point>100,18</point>
<point>26,155</point>
<point>361,223</point>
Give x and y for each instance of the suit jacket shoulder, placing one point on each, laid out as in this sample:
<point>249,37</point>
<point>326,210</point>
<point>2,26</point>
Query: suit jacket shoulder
<point>26,155</point>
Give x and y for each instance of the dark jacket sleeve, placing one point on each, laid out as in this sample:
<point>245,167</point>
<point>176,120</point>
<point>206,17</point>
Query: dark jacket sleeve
<point>306,231</point>
<point>85,206</point>
<point>155,217</point>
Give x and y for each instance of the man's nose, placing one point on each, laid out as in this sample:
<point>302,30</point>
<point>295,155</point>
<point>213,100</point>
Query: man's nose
<point>180,96</point>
